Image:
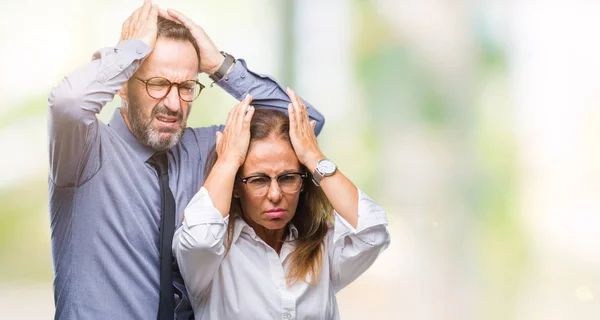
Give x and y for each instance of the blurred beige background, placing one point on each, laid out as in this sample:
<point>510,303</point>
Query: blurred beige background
<point>474,123</point>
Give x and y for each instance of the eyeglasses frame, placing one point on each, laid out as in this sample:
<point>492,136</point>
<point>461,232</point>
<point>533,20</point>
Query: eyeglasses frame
<point>303,175</point>
<point>145,82</point>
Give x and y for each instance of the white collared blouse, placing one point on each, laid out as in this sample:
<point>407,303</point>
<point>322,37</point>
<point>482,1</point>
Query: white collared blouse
<point>249,282</point>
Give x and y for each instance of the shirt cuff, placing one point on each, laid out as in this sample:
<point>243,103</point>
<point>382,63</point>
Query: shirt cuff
<point>237,81</point>
<point>201,210</point>
<point>116,59</point>
<point>370,214</point>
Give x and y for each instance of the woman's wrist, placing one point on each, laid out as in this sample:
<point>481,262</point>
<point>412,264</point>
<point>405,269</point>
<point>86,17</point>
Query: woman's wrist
<point>311,160</point>
<point>227,167</point>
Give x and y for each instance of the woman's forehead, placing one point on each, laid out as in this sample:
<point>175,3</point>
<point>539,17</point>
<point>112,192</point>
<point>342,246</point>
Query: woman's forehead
<point>271,156</point>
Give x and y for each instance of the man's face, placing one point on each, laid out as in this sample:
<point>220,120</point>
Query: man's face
<point>159,123</point>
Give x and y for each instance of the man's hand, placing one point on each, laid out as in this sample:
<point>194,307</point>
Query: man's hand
<point>210,57</point>
<point>141,24</point>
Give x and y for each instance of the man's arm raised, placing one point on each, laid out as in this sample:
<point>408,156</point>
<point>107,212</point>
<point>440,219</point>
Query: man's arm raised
<point>74,146</point>
<point>266,92</point>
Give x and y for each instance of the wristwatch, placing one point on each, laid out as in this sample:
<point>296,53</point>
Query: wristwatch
<point>224,68</point>
<point>325,168</point>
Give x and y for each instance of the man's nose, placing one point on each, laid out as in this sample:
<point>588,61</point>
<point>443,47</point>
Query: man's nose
<point>171,100</point>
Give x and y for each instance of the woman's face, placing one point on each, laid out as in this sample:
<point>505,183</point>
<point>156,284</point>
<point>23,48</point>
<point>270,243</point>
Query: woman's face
<point>273,210</point>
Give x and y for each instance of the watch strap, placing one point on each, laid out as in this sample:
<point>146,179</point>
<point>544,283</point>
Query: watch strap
<point>224,68</point>
<point>317,176</point>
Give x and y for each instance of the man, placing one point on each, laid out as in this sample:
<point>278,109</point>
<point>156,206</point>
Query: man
<point>105,187</point>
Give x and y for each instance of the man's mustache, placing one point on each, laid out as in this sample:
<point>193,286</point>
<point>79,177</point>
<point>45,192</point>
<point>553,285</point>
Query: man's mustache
<point>161,109</point>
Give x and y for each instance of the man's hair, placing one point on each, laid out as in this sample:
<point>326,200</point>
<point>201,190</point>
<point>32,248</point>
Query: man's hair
<point>313,217</point>
<point>172,30</point>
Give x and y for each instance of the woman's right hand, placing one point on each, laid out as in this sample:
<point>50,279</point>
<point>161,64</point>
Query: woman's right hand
<point>232,143</point>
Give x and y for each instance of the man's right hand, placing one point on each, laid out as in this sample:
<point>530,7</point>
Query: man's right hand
<point>142,24</point>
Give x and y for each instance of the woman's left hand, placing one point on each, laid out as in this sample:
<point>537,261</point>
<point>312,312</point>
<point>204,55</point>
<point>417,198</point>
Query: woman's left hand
<point>302,133</point>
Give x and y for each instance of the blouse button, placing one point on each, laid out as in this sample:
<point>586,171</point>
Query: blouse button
<point>287,316</point>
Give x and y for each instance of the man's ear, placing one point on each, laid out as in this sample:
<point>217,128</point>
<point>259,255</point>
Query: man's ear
<point>123,92</point>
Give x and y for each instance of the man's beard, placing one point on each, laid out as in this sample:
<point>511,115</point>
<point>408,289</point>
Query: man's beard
<point>142,127</point>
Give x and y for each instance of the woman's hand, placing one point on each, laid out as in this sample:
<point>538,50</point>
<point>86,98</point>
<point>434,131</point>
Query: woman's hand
<point>231,146</point>
<point>302,133</point>
<point>232,143</point>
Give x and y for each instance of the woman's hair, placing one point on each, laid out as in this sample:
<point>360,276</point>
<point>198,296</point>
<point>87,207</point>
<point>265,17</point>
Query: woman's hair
<point>313,217</point>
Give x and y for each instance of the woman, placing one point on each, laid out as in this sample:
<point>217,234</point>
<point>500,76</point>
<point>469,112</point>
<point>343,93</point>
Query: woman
<point>260,240</point>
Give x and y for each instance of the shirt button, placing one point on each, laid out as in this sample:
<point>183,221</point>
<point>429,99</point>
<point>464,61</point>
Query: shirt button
<point>138,51</point>
<point>243,76</point>
<point>287,316</point>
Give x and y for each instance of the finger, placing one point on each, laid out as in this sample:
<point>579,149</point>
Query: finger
<point>125,29</point>
<point>219,138</point>
<point>244,107</point>
<point>179,17</point>
<point>146,8</point>
<point>293,97</point>
<point>295,104</point>
<point>153,16</point>
<point>239,111</point>
<point>135,16</point>
<point>229,117</point>
<point>195,29</point>
<point>134,22</point>
<point>163,13</point>
<point>302,110</point>
<point>291,115</point>
<point>248,116</point>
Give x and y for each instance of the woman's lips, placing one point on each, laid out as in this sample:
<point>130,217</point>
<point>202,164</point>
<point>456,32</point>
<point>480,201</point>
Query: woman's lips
<point>276,213</point>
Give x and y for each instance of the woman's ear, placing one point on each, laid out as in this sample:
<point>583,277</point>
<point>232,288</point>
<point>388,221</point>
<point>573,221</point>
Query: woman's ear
<point>123,92</point>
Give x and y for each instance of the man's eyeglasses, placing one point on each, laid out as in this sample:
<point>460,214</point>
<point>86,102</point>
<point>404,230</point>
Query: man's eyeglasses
<point>159,87</point>
<point>289,182</point>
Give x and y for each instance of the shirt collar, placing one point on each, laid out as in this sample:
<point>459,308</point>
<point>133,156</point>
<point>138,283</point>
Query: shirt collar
<point>117,123</point>
<point>241,226</point>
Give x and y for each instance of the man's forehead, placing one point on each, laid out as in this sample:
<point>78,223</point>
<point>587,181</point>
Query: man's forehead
<point>171,58</point>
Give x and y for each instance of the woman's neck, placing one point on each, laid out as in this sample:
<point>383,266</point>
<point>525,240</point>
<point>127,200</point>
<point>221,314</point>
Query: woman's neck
<point>274,238</point>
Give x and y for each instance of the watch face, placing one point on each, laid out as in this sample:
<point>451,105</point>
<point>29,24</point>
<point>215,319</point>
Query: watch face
<point>326,167</point>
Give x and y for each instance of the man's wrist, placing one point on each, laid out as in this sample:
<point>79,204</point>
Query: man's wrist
<point>218,62</point>
<point>226,65</point>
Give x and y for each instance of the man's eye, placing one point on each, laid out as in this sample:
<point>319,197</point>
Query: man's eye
<point>158,83</point>
<point>186,89</point>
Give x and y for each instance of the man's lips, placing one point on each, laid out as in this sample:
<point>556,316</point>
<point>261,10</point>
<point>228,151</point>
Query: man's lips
<point>167,119</point>
<point>168,123</point>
